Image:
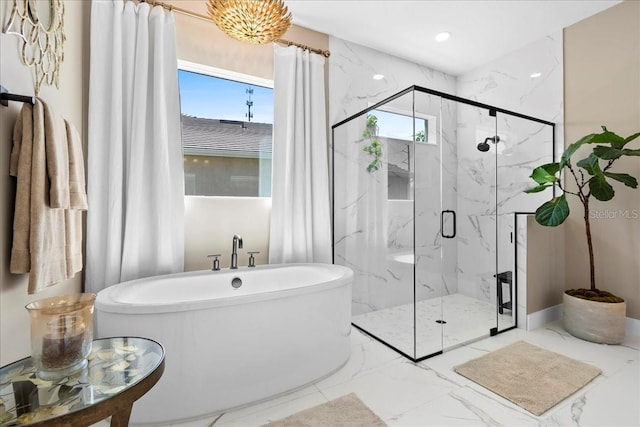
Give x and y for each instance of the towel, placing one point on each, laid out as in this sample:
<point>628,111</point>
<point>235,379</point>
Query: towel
<point>77,186</point>
<point>57,154</point>
<point>77,201</point>
<point>47,160</point>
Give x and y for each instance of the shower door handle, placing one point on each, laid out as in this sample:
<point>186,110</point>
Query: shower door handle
<point>453,214</point>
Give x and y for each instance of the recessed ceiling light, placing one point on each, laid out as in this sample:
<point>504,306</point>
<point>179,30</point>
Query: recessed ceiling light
<point>535,75</point>
<point>442,36</point>
<point>378,77</point>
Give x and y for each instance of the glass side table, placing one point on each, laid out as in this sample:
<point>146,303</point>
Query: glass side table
<point>119,372</point>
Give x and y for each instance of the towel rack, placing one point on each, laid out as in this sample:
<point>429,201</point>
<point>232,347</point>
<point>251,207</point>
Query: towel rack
<point>5,97</point>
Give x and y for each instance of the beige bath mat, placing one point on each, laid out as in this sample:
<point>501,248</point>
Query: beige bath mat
<point>531,377</point>
<point>346,411</point>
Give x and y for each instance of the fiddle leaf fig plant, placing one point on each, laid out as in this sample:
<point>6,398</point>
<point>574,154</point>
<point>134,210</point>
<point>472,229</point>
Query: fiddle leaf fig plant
<point>592,176</point>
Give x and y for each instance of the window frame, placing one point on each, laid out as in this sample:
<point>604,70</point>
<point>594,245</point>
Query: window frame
<point>208,70</point>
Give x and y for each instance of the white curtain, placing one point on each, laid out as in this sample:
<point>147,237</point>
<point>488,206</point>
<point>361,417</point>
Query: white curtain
<point>300,213</point>
<point>135,179</point>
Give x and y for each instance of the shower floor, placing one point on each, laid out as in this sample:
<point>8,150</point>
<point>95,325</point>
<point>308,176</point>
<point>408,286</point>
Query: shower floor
<point>467,319</point>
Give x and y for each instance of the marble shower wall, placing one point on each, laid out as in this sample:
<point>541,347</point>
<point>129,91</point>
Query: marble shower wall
<point>351,84</point>
<point>385,272</point>
<point>505,83</point>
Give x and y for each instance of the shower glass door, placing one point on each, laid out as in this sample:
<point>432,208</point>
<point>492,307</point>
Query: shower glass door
<point>470,308</point>
<point>455,224</point>
<point>431,129</point>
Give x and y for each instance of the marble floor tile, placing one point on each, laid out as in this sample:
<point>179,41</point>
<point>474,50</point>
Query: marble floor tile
<point>466,319</point>
<point>366,354</point>
<point>393,388</point>
<point>612,402</point>
<point>462,408</point>
<point>266,412</point>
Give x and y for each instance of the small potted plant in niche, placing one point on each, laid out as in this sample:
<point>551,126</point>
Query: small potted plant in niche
<point>591,314</point>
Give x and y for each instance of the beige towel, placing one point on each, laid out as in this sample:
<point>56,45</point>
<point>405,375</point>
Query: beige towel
<point>38,231</point>
<point>23,129</point>
<point>77,187</point>
<point>48,162</point>
<point>77,201</point>
<point>57,152</point>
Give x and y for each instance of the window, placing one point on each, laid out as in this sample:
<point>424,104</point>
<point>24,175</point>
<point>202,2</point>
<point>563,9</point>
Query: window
<point>227,121</point>
<point>398,124</point>
<point>396,130</point>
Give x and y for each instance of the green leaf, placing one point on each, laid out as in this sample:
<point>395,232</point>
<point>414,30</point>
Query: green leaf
<point>631,138</point>
<point>538,188</point>
<point>624,178</point>
<point>591,165</point>
<point>600,188</point>
<point>373,166</point>
<point>553,212</point>
<point>607,137</point>
<point>607,153</point>
<point>545,173</point>
<point>566,156</point>
<point>627,152</point>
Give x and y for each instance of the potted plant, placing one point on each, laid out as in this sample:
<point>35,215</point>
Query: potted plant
<point>590,313</point>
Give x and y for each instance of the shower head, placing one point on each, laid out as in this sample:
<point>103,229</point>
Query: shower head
<point>484,146</point>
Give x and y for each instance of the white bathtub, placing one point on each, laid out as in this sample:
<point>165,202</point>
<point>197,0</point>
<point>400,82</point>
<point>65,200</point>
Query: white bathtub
<point>284,327</point>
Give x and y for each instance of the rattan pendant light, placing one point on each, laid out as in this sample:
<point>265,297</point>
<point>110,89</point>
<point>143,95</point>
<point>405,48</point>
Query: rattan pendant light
<point>253,21</point>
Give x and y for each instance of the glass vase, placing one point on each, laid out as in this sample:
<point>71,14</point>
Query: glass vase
<point>61,334</point>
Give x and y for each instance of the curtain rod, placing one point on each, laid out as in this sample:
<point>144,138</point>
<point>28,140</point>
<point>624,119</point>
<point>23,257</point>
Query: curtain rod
<point>172,8</point>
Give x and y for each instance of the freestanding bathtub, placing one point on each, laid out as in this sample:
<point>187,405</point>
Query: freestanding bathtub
<point>283,327</point>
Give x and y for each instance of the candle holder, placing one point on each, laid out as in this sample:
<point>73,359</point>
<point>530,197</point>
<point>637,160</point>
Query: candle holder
<point>61,334</point>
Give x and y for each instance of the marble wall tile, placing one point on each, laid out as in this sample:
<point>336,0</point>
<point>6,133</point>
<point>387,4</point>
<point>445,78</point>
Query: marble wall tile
<point>352,88</point>
<point>521,278</point>
<point>492,183</point>
<point>506,82</point>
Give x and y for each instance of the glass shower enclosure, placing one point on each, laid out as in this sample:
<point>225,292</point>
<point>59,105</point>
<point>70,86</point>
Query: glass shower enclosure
<point>426,189</point>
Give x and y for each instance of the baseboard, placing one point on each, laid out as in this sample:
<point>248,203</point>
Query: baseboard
<point>542,317</point>
<point>632,327</point>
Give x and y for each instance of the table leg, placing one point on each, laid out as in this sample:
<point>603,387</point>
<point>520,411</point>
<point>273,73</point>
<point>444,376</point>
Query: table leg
<point>121,418</point>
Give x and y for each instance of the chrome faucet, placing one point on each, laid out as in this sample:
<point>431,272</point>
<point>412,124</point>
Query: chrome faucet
<point>237,243</point>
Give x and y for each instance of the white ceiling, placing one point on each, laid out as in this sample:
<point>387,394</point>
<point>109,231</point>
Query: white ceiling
<point>481,30</point>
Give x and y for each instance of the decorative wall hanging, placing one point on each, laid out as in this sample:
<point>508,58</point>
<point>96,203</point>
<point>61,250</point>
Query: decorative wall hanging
<point>40,26</point>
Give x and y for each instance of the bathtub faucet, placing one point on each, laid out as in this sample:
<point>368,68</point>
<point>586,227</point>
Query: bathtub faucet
<point>237,243</point>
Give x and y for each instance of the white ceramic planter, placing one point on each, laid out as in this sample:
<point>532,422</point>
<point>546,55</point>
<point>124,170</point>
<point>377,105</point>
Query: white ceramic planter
<point>599,322</point>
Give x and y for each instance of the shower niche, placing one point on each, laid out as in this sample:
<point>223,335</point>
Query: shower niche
<point>426,189</point>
